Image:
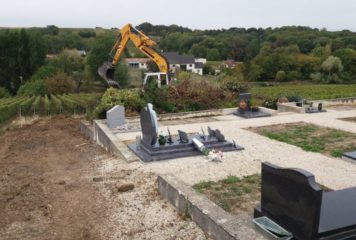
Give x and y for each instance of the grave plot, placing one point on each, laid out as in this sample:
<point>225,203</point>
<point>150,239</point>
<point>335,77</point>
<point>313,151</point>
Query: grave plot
<point>155,147</point>
<point>235,195</point>
<point>247,109</point>
<point>312,138</point>
<point>292,199</point>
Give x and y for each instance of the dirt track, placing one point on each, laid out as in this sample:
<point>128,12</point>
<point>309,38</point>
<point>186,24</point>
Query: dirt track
<point>55,184</point>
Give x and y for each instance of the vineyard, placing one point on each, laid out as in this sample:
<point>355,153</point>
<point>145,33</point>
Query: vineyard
<point>47,105</point>
<point>310,92</point>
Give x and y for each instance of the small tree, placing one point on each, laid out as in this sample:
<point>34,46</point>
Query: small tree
<point>59,84</point>
<point>122,74</point>
<point>332,65</point>
<point>281,76</point>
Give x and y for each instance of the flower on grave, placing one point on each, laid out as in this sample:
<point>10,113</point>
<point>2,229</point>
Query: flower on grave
<point>162,138</point>
<point>215,155</point>
<point>163,134</point>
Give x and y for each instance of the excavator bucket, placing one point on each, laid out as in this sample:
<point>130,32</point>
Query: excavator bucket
<point>106,71</point>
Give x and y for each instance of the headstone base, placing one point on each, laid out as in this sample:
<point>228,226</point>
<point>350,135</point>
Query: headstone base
<point>350,156</point>
<point>178,150</point>
<point>314,111</point>
<point>250,114</point>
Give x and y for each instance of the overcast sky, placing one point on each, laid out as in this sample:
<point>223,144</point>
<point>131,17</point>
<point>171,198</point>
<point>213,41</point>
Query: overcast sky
<point>196,14</point>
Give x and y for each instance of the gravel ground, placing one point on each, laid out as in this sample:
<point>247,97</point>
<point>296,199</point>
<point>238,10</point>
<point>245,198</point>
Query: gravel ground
<point>331,172</point>
<point>56,184</point>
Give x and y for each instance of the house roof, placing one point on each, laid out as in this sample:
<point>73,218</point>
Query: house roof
<point>175,58</point>
<point>137,60</point>
<point>199,65</point>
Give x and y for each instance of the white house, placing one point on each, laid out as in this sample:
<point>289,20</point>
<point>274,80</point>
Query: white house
<point>183,63</point>
<point>139,63</point>
<point>201,60</point>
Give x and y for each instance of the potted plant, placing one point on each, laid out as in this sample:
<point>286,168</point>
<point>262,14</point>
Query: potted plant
<point>162,139</point>
<point>254,107</point>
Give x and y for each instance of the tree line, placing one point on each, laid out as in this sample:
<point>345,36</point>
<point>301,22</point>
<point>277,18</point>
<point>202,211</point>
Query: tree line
<point>282,54</point>
<point>271,54</point>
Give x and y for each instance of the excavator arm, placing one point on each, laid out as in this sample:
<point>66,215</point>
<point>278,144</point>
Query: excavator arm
<point>142,42</point>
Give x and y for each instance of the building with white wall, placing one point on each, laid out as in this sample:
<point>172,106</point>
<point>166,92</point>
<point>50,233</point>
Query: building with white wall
<point>138,63</point>
<point>183,63</point>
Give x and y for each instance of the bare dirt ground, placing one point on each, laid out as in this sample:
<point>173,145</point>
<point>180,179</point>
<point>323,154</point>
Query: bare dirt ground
<point>56,184</point>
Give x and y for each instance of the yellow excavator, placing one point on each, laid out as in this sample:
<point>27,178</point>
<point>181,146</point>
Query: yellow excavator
<point>145,45</point>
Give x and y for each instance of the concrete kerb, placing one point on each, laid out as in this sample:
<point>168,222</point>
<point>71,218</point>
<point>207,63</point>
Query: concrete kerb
<point>104,137</point>
<point>213,220</point>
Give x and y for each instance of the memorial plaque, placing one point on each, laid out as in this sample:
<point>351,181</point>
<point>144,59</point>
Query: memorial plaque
<point>183,137</point>
<point>245,102</point>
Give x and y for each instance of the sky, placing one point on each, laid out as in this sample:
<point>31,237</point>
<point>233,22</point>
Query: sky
<point>195,14</point>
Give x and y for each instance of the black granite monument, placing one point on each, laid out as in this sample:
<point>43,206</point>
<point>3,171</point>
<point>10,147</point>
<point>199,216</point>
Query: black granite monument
<point>312,109</point>
<point>245,110</point>
<point>292,199</point>
<point>148,149</point>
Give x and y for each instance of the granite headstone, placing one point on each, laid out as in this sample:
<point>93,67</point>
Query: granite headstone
<point>245,102</point>
<point>116,117</point>
<point>149,125</point>
<point>292,199</point>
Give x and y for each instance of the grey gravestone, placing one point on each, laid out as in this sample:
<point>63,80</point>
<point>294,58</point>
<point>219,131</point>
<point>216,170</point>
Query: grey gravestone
<point>211,132</point>
<point>219,136</point>
<point>320,107</point>
<point>183,137</point>
<point>292,199</point>
<point>149,125</point>
<point>116,117</point>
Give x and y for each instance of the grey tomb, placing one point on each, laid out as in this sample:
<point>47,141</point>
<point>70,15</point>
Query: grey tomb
<point>116,117</point>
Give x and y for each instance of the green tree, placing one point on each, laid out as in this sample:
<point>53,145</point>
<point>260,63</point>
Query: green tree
<point>213,55</point>
<point>281,76</point>
<point>59,84</point>
<point>4,93</point>
<point>99,52</point>
<point>122,74</point>
<point>332,65</point>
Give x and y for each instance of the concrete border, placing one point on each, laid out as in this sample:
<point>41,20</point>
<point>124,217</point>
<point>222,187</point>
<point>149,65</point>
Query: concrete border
<point>103,136</point>
<point>204,113</point>
<point>87,129</point>
<point>213,220</point>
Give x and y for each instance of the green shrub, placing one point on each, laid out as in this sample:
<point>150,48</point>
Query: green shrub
<point>131,99</point>
<point>281,76</point>
<point>59,84</point>
<point>32,87</point>
<point>188,95</point>
<point>4,93</point>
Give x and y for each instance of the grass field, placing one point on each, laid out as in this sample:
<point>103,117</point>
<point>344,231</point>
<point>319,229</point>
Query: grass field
<point>312,138</point>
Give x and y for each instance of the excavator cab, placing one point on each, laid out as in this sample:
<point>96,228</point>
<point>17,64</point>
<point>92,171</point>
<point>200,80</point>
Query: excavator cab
<point>106,71</point>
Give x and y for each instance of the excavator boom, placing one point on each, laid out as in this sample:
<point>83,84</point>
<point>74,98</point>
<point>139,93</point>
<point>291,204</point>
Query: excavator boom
<point>142,42</point>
